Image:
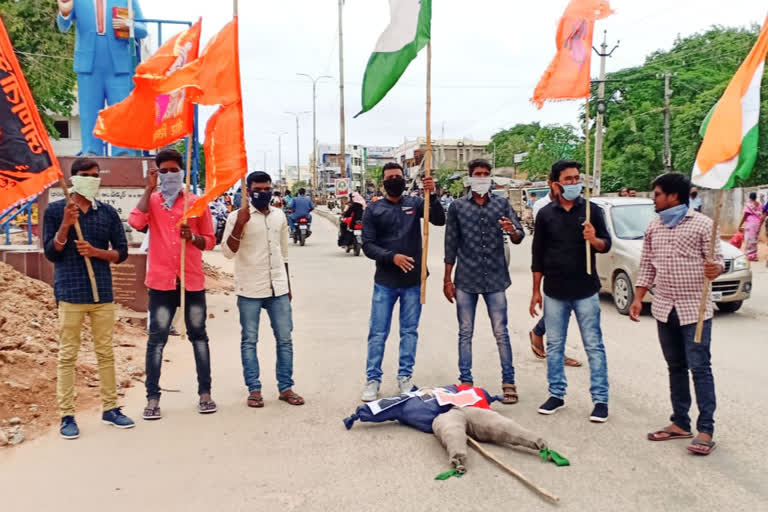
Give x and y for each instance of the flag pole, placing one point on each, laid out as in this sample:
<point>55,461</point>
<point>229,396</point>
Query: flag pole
<point>79,232</point>
<point>588,193</point>
<point>427,173</point>
<point>183,292</point>
<point>235,13</point>
<point>710,258</point>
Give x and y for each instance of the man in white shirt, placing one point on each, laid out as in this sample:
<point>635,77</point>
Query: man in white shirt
<point>256,237</point>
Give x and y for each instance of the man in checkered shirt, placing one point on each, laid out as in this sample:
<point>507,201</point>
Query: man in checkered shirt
<point>675,264</point>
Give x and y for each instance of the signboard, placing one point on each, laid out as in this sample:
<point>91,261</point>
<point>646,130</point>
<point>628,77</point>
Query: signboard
<point>342,187</point>
<point>122,199</point>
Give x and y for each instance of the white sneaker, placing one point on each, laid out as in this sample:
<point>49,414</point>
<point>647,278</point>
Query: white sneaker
<point>371,391</point>
<point>405,384</point>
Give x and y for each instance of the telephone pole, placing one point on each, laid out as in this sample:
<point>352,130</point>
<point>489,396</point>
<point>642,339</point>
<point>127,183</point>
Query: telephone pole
<point>667,123</point>
<point>343,152</point>
<point>601,108</point>
<point>313,171</point>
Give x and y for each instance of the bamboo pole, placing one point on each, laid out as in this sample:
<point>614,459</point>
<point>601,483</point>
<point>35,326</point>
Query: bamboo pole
<point>235,13</point>
<point>183,291</point>
<point>427,173</point>
<point>79,232</point>
<point>587,193</point>
<point>540,490</point>
<point>710,257</point>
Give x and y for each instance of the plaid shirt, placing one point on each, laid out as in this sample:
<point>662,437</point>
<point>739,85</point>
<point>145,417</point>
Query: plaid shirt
<point>673,260</point>
<point>101,227</point>
<point>474,237</point>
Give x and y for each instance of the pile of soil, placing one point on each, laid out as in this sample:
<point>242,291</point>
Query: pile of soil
<point>218,281</point>
<point>29,344</point>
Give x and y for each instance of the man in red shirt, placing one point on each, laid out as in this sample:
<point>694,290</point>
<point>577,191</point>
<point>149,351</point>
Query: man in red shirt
<point>161,210</point>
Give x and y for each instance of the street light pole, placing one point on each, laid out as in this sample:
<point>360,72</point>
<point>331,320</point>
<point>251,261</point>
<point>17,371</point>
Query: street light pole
<point>314,123</point>
<point>298,151</point>
<point>343,162</point>
<point>280,155</point>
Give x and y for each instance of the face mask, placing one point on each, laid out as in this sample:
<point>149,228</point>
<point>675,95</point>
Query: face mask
<point>170,187</point>
<point>572,192</point>
<point>86,186</point>
<point>671,217</point>
<point>261,200</point>
<point>480,186</point>
<point>395,186</point>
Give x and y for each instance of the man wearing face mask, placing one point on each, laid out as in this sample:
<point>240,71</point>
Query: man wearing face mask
<point>104,244</point>
<point>474,235</point>
<point>559,258</point>
<point>161,210</point>
<point>674,263</point>
<point>256,237</point>
<point>392,237</point>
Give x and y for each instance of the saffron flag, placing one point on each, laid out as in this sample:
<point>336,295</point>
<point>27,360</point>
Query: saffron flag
<point>146,119</point>
<point>730,131</point>
<point>568,75</point>
<point>27,163</point>
<point>408,32</point>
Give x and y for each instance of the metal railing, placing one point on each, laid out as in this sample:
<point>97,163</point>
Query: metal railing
<point>8,216</point>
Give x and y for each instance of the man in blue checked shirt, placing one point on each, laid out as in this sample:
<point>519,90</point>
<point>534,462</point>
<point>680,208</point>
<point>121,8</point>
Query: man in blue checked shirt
<point>474,236</point>
<point>104,243</point>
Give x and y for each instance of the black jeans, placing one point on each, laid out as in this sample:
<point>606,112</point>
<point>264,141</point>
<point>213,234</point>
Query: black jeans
<point>683,354</point>
<point>162,307</point>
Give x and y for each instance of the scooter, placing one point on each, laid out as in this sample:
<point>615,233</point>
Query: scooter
<point>302,232</point>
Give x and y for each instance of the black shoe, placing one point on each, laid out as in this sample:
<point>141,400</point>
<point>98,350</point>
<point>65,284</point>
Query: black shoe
<point>599,413</point>
<point>551,405</point>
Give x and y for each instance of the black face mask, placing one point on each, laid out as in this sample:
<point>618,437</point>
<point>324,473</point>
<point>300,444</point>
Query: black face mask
<point>395,186</point>
<point>261,200</point>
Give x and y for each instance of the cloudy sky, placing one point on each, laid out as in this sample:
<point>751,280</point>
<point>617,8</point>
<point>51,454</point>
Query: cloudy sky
<point>487,58</point>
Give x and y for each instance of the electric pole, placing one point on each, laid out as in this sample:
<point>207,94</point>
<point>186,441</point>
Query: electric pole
<point>343,158</point>
<point>667,123</point>
<point>279,155</point>
<point>313,171</point>
<point>298,152</point>
<point>601,108</point>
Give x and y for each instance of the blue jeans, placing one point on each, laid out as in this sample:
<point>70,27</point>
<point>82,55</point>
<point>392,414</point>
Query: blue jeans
<point>281,318</point>
<point>292,220</point>
<point>682,355</point>
<point>466,305</point>
<point>383,303</point>
<point>540,328</point>
<point>557,314</point>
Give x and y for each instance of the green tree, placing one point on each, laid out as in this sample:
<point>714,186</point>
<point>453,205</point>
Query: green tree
<point>296,186</point>
<point>181,147</point>
<point>552,143</point>
<point>44,53</point>
<point>512,141</point>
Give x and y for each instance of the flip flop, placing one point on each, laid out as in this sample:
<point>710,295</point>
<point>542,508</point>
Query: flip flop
<point>152,413</point>
<point>670,435</point>
<point>700,447</point>
<point>292,398</point>
<point>206,407</point>
<point>539,353</point>
<point>256,400</point>
<point>573,363</point>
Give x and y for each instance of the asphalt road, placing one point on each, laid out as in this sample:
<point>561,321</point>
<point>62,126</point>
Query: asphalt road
<point>284,458</point>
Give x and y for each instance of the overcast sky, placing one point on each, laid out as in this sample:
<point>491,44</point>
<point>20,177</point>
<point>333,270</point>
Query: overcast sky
<point>488,56</point>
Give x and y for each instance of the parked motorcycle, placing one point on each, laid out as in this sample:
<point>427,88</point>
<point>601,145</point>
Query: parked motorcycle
<point>302,231</point>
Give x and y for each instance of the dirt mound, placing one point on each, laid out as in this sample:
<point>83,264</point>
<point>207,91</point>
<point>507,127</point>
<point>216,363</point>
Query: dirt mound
<point>216,280</point>
<point>29,332</point>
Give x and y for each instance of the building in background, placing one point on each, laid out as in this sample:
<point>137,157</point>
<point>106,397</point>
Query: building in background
<point>68,128</point>
<point>446,154</point>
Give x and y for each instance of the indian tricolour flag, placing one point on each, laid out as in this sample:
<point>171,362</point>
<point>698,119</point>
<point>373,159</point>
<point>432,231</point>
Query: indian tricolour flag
<point>729,149</point>
<point>408,32</point>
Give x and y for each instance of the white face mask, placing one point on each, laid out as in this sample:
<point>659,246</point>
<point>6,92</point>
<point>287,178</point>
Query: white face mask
<point>480,186</point>
<point>86,186</point>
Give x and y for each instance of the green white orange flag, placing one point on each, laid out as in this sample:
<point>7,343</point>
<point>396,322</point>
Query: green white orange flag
<point>408,32</point>
<point>729,149</point>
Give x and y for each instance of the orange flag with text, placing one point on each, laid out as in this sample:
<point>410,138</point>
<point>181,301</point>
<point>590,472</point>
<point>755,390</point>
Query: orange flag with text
<point>568,75</point>
<point>147,119</point>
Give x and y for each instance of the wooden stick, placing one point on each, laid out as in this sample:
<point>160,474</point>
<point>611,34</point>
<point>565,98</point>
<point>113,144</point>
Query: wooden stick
<point>183,291</point>
<point>588,193</point>
<point>79,232</point>
<point>710,257</point>
<point>427,173</point>
<point>235,12</point>
<point>540,490</point>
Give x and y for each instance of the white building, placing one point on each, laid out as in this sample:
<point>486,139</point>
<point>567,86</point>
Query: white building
<point>69,143</point>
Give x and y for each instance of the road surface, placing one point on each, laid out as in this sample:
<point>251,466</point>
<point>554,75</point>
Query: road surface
<point>284,458</point>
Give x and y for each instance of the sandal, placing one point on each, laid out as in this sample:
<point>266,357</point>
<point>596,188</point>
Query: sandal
<point>256,400</point>
<point>206,407</point>
<point>569,361</point>
<point>700,447</point>
<point>291,397</point>
<point>152,413</point>
<point>538,352</point>
<point>510,394</point>
<point>668,435</point>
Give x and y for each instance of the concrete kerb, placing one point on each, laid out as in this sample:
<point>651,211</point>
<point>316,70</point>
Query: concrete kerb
<point>329,215</point>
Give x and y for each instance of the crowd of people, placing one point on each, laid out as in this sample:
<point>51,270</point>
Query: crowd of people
<point>674,264</point>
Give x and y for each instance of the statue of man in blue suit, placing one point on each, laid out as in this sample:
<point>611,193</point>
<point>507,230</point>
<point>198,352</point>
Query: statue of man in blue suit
<point>103,61</point>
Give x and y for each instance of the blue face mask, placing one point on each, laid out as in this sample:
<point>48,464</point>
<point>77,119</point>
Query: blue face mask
<point>572,192</point>
<point>671,217</point>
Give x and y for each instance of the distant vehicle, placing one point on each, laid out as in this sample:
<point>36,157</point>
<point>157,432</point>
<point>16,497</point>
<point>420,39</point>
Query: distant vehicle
<point>627,219</point>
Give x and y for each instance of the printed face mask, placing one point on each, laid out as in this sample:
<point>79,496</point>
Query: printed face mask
<point>86,186</point>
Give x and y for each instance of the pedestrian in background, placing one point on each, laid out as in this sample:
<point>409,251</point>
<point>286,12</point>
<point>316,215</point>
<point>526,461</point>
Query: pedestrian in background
<point>474,237</point>
<point>675,265</point>
<point>752,223</point>
<point>392,237</point>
